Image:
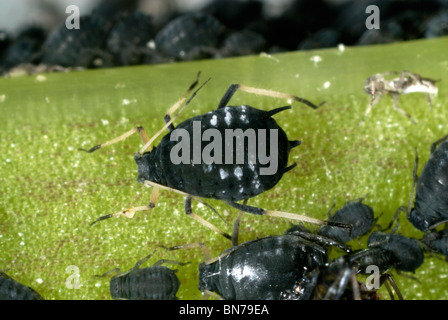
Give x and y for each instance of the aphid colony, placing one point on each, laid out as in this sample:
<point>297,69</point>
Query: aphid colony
<point>293,266</point>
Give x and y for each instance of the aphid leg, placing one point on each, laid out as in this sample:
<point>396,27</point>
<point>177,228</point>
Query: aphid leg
<point>331,208</point>
<point>395,97</point>
<point>428,99</point>
<point>137,265</point>
<point>355,286</point>
<point>129,213</point>
<point>162,261</point>
<point>389,291</point>
<point>387,279</point>
<point>168,123</point>
<point>188,208</point>
<point>272,112</point>
<point>395,219</point>
<point>205,250</point>
<point>281,214</point>
<point>115,270</point>
<point>141,262</point>
<point>337,288</point>
<point>236,226</point>
<point>435,225</point>
<point>138,130</point>
<point>176,106</point>
<point>168,119</point>
<point>321,240</point>
<point>189,212</point>
<point>234,87</point>
<point>375,99</point>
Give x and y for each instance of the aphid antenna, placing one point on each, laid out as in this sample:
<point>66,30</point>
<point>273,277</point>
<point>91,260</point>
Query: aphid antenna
<point>182,104</point>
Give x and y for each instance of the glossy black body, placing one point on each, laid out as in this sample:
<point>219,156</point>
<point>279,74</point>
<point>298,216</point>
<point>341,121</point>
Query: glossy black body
<point>261,269</point>
<point>431,200</point>
<point>151,283</point>
<point>231,182</point>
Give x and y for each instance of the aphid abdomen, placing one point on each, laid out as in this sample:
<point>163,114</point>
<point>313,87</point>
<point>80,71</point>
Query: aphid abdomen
<point>260,269</point>
<point>154,283</point>
<point>406,252</point>
<point>224,151</point>
<point>431,201</point>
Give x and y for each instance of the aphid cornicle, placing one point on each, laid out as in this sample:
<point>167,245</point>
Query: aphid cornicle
<point>227,181</point>
<point>431,201</point>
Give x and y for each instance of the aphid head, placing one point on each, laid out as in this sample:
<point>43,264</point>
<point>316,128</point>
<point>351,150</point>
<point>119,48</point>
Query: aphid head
<point>374,84</point>
<point>147,167</point>
<point>206,273</point>
<point>418,221</point>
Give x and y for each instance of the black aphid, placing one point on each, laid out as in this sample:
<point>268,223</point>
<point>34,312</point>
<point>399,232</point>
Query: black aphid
<point>229,180</point>
<point>431,201</point>
<point>151,283</point>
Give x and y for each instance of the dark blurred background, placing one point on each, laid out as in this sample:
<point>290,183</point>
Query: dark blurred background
<point>130,32</point>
